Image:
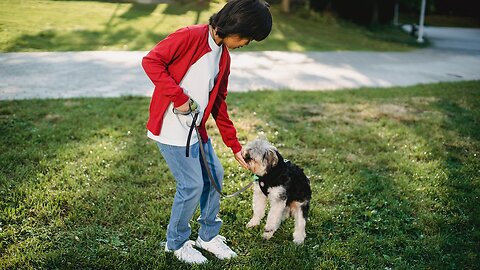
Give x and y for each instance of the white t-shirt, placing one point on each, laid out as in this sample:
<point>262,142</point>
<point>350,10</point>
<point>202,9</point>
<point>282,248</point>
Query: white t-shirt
<point>197,83</point>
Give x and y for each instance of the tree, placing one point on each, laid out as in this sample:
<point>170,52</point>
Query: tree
<point>285,6</point>
<point>366,12</point>
<point>375,13</point>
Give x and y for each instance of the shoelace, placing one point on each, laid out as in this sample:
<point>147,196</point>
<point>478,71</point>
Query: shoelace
<point>220,242</point>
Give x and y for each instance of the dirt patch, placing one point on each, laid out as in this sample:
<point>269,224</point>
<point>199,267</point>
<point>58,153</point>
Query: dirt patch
<point>70,103</point>
<point>423,100</point>
<point>392,111</point>
<point>53,118</point>
<point>355,113</point>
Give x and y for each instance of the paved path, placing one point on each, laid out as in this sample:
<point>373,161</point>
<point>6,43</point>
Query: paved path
<point>455,57</point>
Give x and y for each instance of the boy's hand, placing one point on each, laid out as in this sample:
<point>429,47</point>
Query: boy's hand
<point>185,107</point>
<point>194,105</point>
<point>190,105</point>
<point>239,158</point>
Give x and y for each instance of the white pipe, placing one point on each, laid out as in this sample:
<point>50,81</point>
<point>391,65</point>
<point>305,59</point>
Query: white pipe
<point>422,21</point>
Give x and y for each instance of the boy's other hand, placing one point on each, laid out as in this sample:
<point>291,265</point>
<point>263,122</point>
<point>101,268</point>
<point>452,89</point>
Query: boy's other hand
<point>239,158</point>
<point>194,105</point>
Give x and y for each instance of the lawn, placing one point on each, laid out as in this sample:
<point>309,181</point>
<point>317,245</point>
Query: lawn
<point>49,25</point>
<point>394,173</point>
<point>442,20</point>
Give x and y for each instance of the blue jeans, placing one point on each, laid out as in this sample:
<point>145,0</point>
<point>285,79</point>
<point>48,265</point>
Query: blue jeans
<point>193,186</point>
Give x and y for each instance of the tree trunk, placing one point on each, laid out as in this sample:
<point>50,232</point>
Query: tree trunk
<point>286,6</point>
<point>329,7</point>
<point>375,11</point>
<point>395,14</point>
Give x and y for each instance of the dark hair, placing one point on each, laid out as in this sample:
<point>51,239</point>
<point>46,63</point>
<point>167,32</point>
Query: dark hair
<point>246,18</point>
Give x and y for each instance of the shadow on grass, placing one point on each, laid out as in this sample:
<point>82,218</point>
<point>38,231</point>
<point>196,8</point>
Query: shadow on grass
<point>83,40</point>
<point>68,185</point>
<point>117,33</point>
<point>406,207</point>
<point>138,10</point>
<point>459,197</point>
<point>112,34</point>
<point>101,193</point>
<point>394,35</point>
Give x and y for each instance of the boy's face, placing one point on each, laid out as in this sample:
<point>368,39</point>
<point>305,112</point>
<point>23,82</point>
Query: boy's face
<point>235,41</point>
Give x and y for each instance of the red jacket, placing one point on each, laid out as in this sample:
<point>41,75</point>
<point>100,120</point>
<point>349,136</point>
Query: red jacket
<point>166,65</point>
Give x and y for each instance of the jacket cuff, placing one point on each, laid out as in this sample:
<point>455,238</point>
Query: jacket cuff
<point>236,147</point>
<point>180,100</point>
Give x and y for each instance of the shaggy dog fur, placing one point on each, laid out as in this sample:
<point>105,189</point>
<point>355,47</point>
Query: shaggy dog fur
<point>285,186</point>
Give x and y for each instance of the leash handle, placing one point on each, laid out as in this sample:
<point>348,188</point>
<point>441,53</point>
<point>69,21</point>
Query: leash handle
<point>192,110</point>
<point>194,125</point>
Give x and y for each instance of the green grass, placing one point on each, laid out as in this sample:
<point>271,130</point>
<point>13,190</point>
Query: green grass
<point>47,25</point>
<point>442,20</point>
<point>394,173</point>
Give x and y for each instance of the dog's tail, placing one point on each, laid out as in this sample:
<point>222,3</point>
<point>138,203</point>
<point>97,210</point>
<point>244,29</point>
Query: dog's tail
<point>305,208</point>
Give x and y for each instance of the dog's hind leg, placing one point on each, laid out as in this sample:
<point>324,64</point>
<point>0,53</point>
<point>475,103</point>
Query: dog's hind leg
<point>300,213</point>
<point>259,204</point>
<point>277,207</point>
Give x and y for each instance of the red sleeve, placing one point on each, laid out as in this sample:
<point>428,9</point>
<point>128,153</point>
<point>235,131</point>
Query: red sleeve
<point>156,63</point>
<point>222,119</point>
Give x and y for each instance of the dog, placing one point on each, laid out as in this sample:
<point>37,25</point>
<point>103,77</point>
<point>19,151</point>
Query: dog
<point>283,183</point>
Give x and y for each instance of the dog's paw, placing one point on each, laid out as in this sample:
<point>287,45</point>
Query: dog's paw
<point>298,241</point>
<point>253,223</point>
<point>298,238</point>
<point>267,235</point>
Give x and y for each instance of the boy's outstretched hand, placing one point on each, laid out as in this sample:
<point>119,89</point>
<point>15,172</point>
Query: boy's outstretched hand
<point>239,158</point>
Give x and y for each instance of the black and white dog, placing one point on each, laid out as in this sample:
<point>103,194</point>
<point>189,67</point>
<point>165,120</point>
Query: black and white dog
<point>283,183</point>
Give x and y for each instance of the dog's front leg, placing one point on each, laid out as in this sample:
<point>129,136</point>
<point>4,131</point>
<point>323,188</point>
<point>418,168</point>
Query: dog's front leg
<point>277,208</point>
<point>259,204</point>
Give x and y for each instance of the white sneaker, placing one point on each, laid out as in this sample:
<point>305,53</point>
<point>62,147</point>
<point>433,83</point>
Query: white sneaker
<point>217,246</point>
<point>188,254</point>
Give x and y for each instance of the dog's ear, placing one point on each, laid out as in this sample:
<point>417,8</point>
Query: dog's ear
<point>265,156</point>
<point>270,158</point>
<point>280,158</point>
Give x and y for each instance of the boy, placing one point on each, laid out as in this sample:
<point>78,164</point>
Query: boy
<point>190,70</point>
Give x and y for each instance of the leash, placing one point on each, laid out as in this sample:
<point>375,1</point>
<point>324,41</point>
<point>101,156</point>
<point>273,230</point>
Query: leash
<point>194,113</point>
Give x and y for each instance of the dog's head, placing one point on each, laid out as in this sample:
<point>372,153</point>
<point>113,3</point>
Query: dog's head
<point>260,156</point>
